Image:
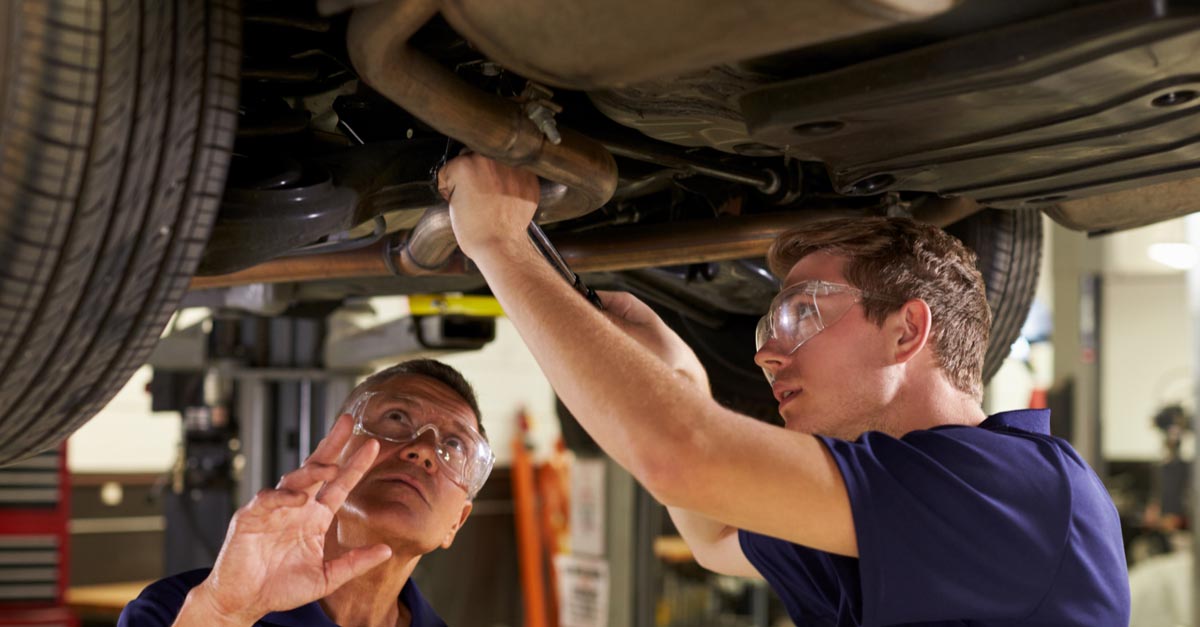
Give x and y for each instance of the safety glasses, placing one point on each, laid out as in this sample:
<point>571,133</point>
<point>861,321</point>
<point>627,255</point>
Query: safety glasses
<point>462,453</point>
<point>805,309</point>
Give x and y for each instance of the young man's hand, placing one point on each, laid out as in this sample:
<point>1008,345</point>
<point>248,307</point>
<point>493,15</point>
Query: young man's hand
<point>640,322</point>
<point>273,558</point>
<point>490,203</point>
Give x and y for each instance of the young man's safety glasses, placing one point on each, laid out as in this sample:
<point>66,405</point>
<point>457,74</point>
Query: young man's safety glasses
<point>463,454</point>
<point>803,310</point>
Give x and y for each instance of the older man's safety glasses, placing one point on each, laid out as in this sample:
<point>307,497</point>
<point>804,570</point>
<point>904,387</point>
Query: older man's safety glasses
<point>462,453</point>
<point>803,310</point>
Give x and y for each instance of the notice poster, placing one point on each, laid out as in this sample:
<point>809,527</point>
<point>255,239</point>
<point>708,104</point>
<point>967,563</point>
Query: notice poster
<point>587,506</point>
<point>582,591</point>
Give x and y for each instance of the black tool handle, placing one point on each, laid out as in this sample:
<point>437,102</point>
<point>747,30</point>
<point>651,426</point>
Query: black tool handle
<point>556,260</point>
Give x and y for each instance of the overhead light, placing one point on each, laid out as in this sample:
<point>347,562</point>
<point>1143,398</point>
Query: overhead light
<point>1174,255</point>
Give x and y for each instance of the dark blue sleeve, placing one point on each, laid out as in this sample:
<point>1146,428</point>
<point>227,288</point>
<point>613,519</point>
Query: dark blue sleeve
<point>955,522</point>
<point>159,603</point>
<point>816,587</point>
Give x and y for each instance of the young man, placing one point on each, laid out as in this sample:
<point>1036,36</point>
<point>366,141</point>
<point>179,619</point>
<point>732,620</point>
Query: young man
<point>889,498</point>
<point>336,542</point>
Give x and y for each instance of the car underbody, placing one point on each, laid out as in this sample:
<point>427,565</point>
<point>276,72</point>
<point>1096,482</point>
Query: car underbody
<point>675,141</point>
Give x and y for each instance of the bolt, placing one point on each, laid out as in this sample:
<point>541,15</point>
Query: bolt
<point>543,118</point>
<point>540,109</point>
<point>1174,98</point>
<point>872,184</point>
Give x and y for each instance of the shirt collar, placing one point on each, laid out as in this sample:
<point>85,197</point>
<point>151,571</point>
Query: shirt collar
<point>1031,420</point>
<point>312,615</point>
<point>422,614</point>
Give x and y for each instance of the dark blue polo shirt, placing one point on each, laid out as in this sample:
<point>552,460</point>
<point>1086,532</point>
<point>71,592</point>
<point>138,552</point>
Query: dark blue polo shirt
<point>993,525</point>
<point>159,604</point>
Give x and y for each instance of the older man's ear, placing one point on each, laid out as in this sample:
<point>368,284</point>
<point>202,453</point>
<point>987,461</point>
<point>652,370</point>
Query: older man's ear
<point>449,539</point>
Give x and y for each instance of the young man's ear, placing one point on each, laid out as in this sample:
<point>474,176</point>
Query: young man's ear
<point>910,326</point>
<point>449,539</point>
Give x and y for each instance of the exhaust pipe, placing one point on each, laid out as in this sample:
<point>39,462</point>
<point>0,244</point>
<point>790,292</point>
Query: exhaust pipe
<point>492,126</point>
<point>604,250</point>
<point>431,243</point>
<point>595,251</point>
<point>378,43</point>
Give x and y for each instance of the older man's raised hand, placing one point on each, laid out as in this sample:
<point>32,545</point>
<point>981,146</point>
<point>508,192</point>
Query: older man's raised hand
<point>274,553</point>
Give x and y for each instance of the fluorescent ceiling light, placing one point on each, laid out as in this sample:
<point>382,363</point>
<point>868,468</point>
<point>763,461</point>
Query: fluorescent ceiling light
<point>1174,255</point>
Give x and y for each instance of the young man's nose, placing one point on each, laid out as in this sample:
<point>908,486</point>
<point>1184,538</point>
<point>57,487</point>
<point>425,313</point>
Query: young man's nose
<point>770,358</point>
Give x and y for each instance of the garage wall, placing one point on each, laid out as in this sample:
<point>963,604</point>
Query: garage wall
<point>506,380</point>
<point>1146,360</point>
<point>126,437</point>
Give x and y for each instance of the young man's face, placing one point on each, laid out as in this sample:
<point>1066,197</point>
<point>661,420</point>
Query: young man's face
<point>836,383</point>
<point>406,499</point>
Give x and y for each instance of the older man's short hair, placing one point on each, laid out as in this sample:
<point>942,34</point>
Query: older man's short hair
<point>431,368</point>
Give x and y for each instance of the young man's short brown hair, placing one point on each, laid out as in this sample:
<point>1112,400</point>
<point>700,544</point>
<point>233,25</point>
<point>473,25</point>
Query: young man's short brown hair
<point>905,259</point>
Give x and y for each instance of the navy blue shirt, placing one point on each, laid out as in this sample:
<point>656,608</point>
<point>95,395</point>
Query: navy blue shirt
<point>159,603</point>
<point>983,526</point>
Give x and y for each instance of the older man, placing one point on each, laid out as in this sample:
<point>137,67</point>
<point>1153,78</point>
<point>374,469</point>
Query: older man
<point>890,497</point>
<point>336,541</point>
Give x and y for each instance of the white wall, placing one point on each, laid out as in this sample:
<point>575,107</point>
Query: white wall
<point>506,380</point>
<point>1146,360</point>
<point>126,436</point>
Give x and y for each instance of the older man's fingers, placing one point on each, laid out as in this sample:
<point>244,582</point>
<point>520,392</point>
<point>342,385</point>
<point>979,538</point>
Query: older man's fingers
<point>277,499</point>
<point>309,477</point>
<point>334,493</point>
<point>330,446</point>
<point>353,564</point>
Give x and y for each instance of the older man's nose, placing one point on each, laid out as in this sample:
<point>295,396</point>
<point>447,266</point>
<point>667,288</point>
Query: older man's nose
<point>423,451</point>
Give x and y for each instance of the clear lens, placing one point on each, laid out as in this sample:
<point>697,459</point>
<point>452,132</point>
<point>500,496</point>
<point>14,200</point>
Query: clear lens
<point>763,332</point>
<point>803,310</point>
<point>464,455</point>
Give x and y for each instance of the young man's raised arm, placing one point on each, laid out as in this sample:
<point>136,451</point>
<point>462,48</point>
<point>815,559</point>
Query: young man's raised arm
<point>714,544</point>
<point>652,418</point>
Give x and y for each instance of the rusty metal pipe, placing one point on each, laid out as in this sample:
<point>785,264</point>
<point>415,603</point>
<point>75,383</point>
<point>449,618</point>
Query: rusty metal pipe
<point>601,250</point>
<point>596,251</point>
<point>429,245</point>
<point>431,242</point>
<point>377,40</point>
<point>674,244</point>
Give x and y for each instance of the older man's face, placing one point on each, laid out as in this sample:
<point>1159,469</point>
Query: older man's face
<point>406,499</point>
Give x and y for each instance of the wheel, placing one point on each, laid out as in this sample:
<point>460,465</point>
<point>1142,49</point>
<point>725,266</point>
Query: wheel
<point>1009,249</point>
<point>1008,244</point>
<point>117,118</point>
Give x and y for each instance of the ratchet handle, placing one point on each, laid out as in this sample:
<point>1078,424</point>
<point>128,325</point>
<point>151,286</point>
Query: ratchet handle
<point>588,293</point>
<point>556,260</point>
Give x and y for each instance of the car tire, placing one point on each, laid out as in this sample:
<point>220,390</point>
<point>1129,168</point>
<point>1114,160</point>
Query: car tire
<point>117,120</point>
<point>1008,244</point>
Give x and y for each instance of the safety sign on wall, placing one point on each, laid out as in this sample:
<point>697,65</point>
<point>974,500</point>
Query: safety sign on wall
<point>582,591</point>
